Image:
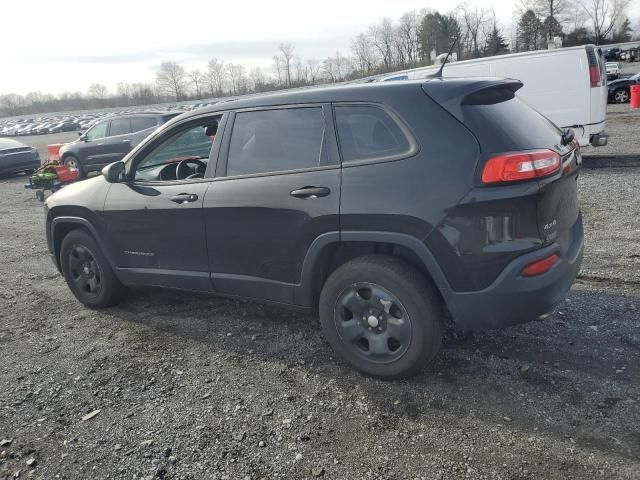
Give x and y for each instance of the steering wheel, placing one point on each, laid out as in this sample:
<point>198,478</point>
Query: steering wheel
<point>183,172</point>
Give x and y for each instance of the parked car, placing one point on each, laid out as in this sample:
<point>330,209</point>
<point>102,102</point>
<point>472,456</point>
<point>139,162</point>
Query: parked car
<point>44,128</point>
<point>17,157</point>
<point>620,90</point>
<point>66,126</point>
<point>614,69</point>
<point>379,205</point>
<point>23,129</point>
<point>109,140</point>
<point>568,85</point>
<point>612,54</point>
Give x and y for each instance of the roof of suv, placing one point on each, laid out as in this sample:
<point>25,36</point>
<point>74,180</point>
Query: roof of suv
<point>451,89</point>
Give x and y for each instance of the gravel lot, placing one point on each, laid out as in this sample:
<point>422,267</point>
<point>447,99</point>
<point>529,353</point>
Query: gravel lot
<point>172,385</point>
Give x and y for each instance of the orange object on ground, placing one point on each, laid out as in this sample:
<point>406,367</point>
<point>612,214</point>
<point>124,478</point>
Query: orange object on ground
<point>54,151</point>
<point>65,174</point>
<point>635,96</point>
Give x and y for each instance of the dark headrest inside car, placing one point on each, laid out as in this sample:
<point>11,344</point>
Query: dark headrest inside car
<point>211,130</point>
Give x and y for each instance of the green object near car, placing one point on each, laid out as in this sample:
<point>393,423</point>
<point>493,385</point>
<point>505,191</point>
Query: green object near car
<point>40,180</point>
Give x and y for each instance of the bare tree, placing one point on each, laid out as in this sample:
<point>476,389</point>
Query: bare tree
<point>237,78</point>
<point>277,67</point>
<point>408,39</point>
<point>473,21</point>
<point>171,79</point>
<point>362,48</point>
<point>383,36</point>
<point>313,69</point>
<point>604,16</point>
<point>216,76</point>
<point>10,103</point>
<point>197,80</point>
<point>98,92</point>
<point>299,71</point>
<point>286,59</point>
<point>258,79</point>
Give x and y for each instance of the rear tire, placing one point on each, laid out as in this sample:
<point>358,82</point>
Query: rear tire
<point>381,316</point>
<point>72,162</point>
<point>87,271</point>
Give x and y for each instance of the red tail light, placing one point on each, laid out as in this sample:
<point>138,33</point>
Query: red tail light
<point>594,75</point>
<point>540,266</point>
<point>518,166</point>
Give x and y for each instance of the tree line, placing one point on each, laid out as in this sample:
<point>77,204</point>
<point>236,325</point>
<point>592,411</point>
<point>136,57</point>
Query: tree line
<point>414,40</point>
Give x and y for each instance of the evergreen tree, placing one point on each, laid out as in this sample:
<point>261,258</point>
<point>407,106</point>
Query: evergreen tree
<point>623,32</point>
<point>551,28</point>
<point>437,32</point>
<point>579,36</point>
<point>496,44</point>
<point>530,32</point>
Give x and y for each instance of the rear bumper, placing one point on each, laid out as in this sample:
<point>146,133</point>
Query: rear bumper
<point>599,139</point>
<point>512,299</point>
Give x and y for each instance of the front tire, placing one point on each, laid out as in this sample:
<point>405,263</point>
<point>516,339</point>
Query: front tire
<point>381,316</point>
<point>73,163</point>
<point>87,271</point>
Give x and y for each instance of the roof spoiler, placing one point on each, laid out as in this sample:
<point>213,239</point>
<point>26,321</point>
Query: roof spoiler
<point>452,93</point>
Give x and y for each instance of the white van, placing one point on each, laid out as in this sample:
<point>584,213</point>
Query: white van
<point>567,85</point>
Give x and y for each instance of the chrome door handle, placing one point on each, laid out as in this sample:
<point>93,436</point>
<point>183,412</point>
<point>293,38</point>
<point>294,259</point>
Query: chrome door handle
<point>184,198</point>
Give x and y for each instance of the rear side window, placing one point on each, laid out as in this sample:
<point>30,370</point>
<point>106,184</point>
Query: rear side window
<point>120,126</point>
<point>142,123</point>
<point>276,140</point>
<point>368,132</point>
<point>503,122</point>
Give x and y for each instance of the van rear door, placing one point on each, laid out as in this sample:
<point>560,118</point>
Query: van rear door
<point>597,89</point>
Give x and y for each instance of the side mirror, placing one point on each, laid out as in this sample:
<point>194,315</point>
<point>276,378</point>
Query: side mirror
<point>113,172</point>
<point>83,137</point>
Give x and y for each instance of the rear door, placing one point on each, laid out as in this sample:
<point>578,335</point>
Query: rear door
<point>277,189</point>
<point>141,127</point>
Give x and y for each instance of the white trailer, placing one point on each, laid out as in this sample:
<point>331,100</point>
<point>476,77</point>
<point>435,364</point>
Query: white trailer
<point>567,85</point>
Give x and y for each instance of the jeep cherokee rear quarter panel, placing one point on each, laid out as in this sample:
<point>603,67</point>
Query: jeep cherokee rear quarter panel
<point>410,195</point>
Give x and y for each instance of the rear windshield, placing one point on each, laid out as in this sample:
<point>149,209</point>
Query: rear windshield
<point>502,122</point>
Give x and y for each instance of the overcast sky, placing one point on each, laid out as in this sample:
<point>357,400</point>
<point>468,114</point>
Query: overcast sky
<point>61,45</point>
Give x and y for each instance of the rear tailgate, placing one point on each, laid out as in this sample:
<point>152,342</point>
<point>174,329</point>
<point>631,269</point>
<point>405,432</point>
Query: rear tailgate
<point>503,123</point>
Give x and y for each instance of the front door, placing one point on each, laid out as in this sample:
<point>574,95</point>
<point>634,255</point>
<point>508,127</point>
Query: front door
<point>155,217</point>
<point>91,143</point>
<point>277,190</point>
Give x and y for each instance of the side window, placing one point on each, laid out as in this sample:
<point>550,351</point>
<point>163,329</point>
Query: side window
<point>142,123</point>
<point>368,132</point>
<point>268,141</point>
<point>98,131</point>
<point>191,145</point>
<point>120,126</point>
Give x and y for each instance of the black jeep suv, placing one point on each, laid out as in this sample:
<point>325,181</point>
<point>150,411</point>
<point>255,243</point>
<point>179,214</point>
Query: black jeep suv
<point>384,206</point>
<point>110,140</point>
